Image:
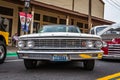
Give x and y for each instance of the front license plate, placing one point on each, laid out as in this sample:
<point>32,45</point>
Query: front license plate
<point>60,58</point>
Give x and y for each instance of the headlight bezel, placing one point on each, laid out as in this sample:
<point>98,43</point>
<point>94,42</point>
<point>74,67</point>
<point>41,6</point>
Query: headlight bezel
<point>89,44</point>
<point>30,44</point>
<point>104,44</point>
<point>21,44</point>
<point>98,44</point>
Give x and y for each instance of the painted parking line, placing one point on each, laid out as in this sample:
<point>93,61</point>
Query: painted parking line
<point>11,54</point>
<point>16,60</point>
<point>115,76</point>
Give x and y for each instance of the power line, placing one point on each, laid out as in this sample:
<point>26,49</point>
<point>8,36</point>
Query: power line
<point>112,4</point>
<point>115,3</point>
<point>118,2</point>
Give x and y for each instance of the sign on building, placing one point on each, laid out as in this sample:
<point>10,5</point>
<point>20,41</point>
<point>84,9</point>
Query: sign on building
<point>25,20</point>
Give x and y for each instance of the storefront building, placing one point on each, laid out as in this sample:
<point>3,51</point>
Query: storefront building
<point>72,12</point>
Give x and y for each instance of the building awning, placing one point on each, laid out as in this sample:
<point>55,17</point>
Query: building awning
<point>62,10</point>
<point>70,12</point>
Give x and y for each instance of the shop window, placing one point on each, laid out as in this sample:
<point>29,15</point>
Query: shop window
<point>94,25</point>
<point>86,26</point>
<point>80,24</point>
<point>45,18</point>
<point>62,21</point>
<point>72,21</point>
<point>6,11</point>
<point>20,9</point>
<point>37,16</point>
<point>86,31</point>
<point>36,26</point>
<point>7,24</point>
<point>49,19</point>
<point>53,20</point>
<point>81,30</point>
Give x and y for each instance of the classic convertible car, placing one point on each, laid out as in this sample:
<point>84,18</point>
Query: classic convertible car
<point>59,43</point>
<point>110,34</point>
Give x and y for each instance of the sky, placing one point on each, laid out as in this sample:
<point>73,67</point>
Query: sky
<point>112,10</point>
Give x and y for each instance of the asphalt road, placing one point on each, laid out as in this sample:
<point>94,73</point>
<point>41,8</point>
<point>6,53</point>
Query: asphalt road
<point>13,69</point>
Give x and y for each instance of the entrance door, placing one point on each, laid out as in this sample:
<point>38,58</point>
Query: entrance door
<point>36,26</point>
<point>19,26</point>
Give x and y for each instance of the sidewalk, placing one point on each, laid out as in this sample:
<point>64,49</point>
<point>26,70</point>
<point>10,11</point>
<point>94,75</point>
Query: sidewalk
<point>11,51</point>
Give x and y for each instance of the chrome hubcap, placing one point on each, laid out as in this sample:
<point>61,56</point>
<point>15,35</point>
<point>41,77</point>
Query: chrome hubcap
<point>1,52</point>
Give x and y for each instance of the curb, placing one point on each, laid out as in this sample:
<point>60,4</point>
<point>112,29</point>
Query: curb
<point>11,54</point>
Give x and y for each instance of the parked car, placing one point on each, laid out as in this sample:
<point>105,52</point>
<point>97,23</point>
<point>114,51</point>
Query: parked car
<point>3,42</point>
<point>59,43</point>
<point>111,36</point>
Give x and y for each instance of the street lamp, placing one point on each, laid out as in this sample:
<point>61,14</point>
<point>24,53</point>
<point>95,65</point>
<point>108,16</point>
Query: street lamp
<point>27,4</point>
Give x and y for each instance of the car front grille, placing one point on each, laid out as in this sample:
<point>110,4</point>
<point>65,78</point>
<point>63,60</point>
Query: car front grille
<point>114,49</point>
<point>58,43</point>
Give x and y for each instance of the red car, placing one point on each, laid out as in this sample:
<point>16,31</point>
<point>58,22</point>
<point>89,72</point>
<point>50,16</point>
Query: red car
<point>110,34</point>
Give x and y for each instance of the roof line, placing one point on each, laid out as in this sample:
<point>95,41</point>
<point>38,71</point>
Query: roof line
<point>102,1</point>
<point>63,10</point>
<point>68,11</point>
<point>57,8</point>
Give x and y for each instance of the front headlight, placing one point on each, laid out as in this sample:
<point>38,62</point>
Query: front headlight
<point>98,44</point>
<point>30,44</point>
<point>89,44</point>
<point>21,44</point>
<point>104,44</point>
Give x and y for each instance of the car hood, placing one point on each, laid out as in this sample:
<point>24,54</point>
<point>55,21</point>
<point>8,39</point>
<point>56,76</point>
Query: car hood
<point>117,27</point>
<point>59,34</point>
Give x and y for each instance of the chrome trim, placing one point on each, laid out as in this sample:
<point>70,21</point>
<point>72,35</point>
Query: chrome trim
<point>63,48</point>
<point>59,43</point>
<point>64,37</point>
<point>113,49</point>
<point>49,55</point>
<point>111,56</point>
<point>100,51</point>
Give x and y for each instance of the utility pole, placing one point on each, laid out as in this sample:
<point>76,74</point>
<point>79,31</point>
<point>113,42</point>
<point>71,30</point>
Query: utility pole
<point>27,5</point>
<point>73,5</point>
<point>89,15</point>
<point>31,25</point>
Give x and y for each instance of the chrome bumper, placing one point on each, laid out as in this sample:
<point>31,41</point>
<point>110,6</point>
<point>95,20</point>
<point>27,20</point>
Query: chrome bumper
<point>70,55</point>
<point>111,56</point>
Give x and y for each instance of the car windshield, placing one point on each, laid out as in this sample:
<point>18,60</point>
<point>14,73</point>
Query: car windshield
<point>99,29</point>
<point>59,28</point>
<point>112,31</point>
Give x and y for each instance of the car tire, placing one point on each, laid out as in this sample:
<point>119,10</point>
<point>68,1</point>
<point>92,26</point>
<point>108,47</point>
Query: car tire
<point>30,64</point>
<point>3,51</point>
<point>89,64</point>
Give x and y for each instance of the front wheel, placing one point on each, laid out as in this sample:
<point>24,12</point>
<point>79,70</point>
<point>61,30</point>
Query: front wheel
<point>2,52</point>
<point>89,64</point>
<point>30,64</point>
